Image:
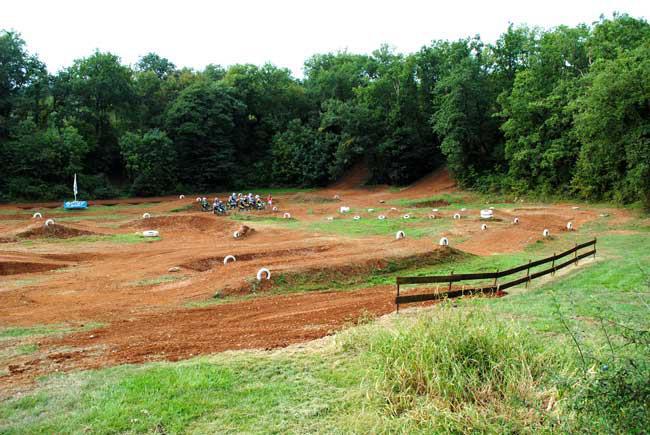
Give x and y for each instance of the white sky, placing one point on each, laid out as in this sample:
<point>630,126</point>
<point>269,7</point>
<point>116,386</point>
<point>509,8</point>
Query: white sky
<point>195,33</point>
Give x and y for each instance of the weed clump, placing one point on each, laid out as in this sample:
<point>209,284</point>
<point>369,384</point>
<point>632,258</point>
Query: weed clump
<point>457,370</point>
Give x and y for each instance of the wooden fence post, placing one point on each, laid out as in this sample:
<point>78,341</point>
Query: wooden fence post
<point>449,289</point>
<point>575,255</point>
<point>397,298</point>
<point>496,276</point>
<point>595,240</point>
<point>528,274</point>
<point>553,265</point>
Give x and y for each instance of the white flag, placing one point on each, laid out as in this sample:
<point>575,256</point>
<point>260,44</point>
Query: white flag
<point>74,187</point>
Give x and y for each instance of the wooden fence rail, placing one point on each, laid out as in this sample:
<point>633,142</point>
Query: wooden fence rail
<point>495,286</point>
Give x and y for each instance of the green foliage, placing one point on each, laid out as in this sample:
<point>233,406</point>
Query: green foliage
<point>201,122</point>
<point>541,148</point>
<point>21,74</point>
<point>614,127</point>
<point>301,155</point>
<point>99,95</point>
<point>401,147</point>
<point>150,161</point>
<point>336,75</point>
<point>615,392</point>
<point>465,119</point>
<point>555,113</point>
<point>37,160</point>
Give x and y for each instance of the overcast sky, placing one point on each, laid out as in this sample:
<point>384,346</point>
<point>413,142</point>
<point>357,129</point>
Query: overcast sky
<point>195,33</point>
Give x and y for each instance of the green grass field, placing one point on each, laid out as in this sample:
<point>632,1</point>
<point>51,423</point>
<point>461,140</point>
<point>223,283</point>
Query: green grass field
<point>567,355</point>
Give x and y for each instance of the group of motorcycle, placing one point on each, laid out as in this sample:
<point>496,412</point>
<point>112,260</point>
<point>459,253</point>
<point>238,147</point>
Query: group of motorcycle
<point>242,204</point>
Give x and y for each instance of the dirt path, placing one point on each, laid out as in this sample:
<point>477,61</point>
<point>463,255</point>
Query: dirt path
<point>266,322</point>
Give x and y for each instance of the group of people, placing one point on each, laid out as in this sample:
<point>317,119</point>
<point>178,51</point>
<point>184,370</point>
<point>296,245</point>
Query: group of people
<point>237,201</point>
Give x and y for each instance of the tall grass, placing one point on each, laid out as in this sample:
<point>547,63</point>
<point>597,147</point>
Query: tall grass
<point>460,370</point>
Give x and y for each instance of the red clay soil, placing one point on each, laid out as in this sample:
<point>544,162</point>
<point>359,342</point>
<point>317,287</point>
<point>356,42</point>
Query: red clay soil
<point>354,178</point>
<point>203,222</point>
<point>129,287</point>
<point>20,267</point>
<point>265,322</point>
<point>437,181</point>
<point>503,236</point>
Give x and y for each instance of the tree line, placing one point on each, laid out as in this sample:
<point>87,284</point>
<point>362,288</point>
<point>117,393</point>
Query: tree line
<point>563,112</point>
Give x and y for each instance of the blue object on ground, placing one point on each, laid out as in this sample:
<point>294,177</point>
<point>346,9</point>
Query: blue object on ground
<point>75,205</point>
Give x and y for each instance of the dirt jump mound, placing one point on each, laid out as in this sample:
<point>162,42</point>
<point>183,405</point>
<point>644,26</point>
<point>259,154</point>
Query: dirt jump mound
<point>438,181</point>
<point>55,230</point>
<point>19,267</point>
<point>179,223</point>
<point>243,231</point>
<point>431,203</point>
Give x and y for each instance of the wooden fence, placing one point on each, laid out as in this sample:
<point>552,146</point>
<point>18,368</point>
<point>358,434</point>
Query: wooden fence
<point>494,286</point>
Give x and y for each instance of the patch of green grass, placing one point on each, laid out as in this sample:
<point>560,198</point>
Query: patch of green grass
<point>265,219</point>
<point>455,371</point>
<point>27,349</point>
<point>39,330</point>
<point>10,351</point>
<point>163,279</point>
<point>234,393</point>
<point>371,226</point>
<point>108,238</point>
<point>16,332</point>
<point>15,212</point>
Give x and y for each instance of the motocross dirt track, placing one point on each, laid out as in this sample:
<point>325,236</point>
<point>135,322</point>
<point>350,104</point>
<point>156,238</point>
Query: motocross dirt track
<point>149,313</point>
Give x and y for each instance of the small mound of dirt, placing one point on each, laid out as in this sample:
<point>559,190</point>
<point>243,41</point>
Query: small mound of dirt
<point>353,273</point>
<point>84,256</point>
<point>431,203</point>
<point>244,231</point>
<point>438,181</point>
<point>204,264</point>
<point>56,231</point>
<point>182,222</point>
<point>18,267</point>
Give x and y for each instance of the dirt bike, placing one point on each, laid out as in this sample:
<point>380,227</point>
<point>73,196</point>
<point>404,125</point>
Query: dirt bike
<point>205,206</point>
<point>220,210</point>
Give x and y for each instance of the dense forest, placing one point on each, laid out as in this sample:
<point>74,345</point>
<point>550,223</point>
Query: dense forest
<point>562,112</point>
